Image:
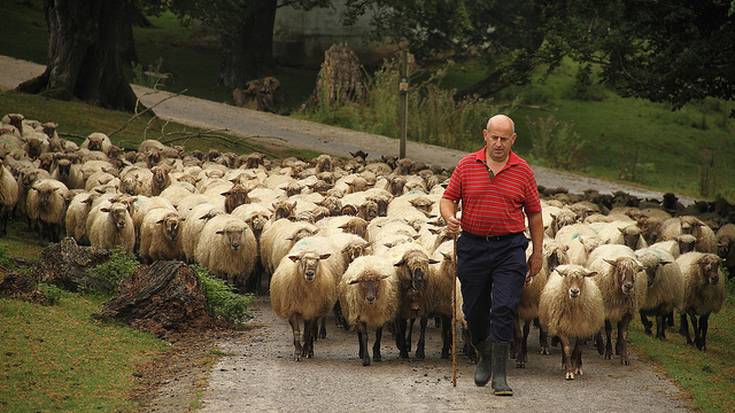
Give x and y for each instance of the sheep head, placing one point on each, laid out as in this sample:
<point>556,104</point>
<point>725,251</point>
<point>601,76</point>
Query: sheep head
<point>355,249</point>
<point>686,243</point>
<point>257,222</point>
<point>357,184</point>
<point>356,225</point>
<point>556,254</point>
<point>95,141</point>
<point>414,267</point>
<point>283,209</point>
<point>333,204</point>
<point>327,177</point>
<point>709,268</point>
<point>573,278</point>
<point>324,163</point>
<point>369,284</point>
<point>404,166</point>
<point>293,188</point>
<point>631,235</point>
<point>161,179</point>
<point>118,214</point>
<point>320,212</point>
<point>171,223</point>
<point>16,119</point>
<point>308,263</point>
<point>233,236</point>
<point>236,196</point>
<point>45,196</point>
<point>724,244</point>
<point>625,270</point>
<point>397,183</point>
<point>349,210</point>
<point>422,203</point>
<point>254,160</point>
<point>300,234</point>
<point>368,211</point>
<point>359,156</point>
<point>651,264</point>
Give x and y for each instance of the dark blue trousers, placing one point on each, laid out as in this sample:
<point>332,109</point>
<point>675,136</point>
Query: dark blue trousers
<point>492,271</point>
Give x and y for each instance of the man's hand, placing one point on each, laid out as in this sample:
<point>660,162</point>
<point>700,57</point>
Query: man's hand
<point>534,266</point>
<point>453,226</point>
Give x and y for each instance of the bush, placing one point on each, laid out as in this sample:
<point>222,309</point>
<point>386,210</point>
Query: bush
<point>584,87</point>
<point>222,300</point>
<point>52,293</point>
<point>105,277</point>
<point>5,260</point>
<point>556,143</point>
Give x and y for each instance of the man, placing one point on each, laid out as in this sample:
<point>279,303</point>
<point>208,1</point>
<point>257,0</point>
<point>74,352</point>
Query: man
<point>494,185</point>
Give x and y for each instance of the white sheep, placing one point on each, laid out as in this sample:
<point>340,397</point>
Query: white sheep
<point>571,305</point>
<point>303,290</point>
<point>177,191</point>
<point>46,204</point>
<point>8,196</point>
<point>97,141</point>
<point>113,227</point>
<point>704,293</point>
<point>158,235</point>
<point>369,297</point>
<point>75,220</point>
<point>227,247</point>
<point>277,239</point>
<point>665,289</point>
<point>192,227</point>
<point>726,247</point>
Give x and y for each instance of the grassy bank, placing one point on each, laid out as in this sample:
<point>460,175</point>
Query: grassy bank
<point>707,377</point>
<point>57,358</point>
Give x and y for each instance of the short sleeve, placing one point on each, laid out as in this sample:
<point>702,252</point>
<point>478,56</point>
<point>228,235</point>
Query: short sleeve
<point>453,192</point>
<point>532,203</point>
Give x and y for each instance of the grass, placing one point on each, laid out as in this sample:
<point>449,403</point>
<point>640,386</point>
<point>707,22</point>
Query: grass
<point>59,359</point>
<point>708,377</point>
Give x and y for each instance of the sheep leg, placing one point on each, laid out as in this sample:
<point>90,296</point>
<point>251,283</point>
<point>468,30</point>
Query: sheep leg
<point>409,333</point>
<point>421,345</point>
<point>323,327</point>
<point>339,318</point>
<point>577,357</point>
<point>543,341</point>
<point>703,327</point>
<point>515,345</point>
<point>647,324</point>
<point>567,358</point>
<point>555,341</point>
<point>623,339</point>
<point>660,326</point>
<point>608,340</point>
<point>446,336</point>
<point>296,329</point>
<point>695,327</point>
<point>670,319</point>
<point>307,351</point>
<point>362,334</point>
<point>599,344</point>
<point>684,328</point>
<point>361,348</point>
<point>376,345</point>
<point>523,353</point>
<point>400,335</point>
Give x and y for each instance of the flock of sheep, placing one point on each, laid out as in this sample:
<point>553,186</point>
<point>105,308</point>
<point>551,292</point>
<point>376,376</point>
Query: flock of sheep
<point>364,239</point>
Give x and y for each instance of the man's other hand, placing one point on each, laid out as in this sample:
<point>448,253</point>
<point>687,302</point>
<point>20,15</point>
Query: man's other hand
<point>453,226</point>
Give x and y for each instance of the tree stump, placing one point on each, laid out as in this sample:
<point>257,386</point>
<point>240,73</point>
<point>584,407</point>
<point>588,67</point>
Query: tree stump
<point>161,298</point>
<point>65,264</point>
<point>260,94</point>
<point>21,286</point>
<point>341,79</point>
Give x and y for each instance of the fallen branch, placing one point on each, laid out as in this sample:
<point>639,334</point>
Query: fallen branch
<point>148,109</point>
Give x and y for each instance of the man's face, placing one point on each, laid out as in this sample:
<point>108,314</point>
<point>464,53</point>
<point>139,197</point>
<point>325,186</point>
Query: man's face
<point>499,140</point>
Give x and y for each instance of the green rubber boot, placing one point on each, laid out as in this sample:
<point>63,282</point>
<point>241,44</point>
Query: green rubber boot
<point>500,382</point>
<point>483,371</point>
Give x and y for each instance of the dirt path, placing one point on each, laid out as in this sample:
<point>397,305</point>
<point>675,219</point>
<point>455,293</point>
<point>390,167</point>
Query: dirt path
<point>289,132</point>
<point>258,374</point>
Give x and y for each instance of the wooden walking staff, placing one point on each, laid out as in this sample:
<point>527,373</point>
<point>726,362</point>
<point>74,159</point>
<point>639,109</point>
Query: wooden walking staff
<point>454,315</point>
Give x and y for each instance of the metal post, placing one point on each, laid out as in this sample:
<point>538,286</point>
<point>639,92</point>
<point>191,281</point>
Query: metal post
<point>403,110</point>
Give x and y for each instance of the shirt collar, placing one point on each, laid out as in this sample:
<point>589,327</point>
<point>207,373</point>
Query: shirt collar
<point>513,159</point>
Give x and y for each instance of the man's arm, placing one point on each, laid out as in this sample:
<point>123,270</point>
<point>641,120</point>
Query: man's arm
<point>448,210</point>
<point>536,227</point>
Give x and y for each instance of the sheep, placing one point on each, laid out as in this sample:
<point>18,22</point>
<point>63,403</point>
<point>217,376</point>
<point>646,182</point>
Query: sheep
<point>726,247</point>
<point>75,220</point>
<point>561,219</point>
<point>278,238</point>
<point>177,191</point>
<point>192,228</point>
<point>344,223</point>
<point>368,296</point>
<point>97,141</point>
<point>571,305</point>
<point>412,268</point>
<point>46,202</point>
<point>303,289</point>
<point>704,294</point>
<point>8,196</point>
<point>554,254</point>
<point>623,291</point>
<point>621,232</point>
<point>706,239</point>
<point>158,235</point>
<point>100,179</point>
<point>160,179</point>
<point>440,287</point>
<point>187,203</point>
<point>256,215</point>
<point>665,288</point>
<point>672,227</point>
<point>113,227</point>
<point>680,245</point>
<point>227,247</point>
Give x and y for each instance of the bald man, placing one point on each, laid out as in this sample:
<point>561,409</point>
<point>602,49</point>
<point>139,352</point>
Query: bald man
<point>495,187</point>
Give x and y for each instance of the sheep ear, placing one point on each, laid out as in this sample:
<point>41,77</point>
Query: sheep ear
<point>611,262</point>
<point>622,230</point>
<point>562,274</point>
<point>294,258</point>
<point>324,256</point>
<point>446,255</point>
<point>343,226</point>
<point>434,230</point>
<point>665,262</point>
<point>160,221</point>
<point>289,238</point>
<point>353,282</point>
<point>417,236</point>
<point>433,261</point>
<point>590,274</point>
<point>220,232</point>
<point>105,209</point>
<point>225,193</point>
<point>384,277</point>
<point>400,263</point>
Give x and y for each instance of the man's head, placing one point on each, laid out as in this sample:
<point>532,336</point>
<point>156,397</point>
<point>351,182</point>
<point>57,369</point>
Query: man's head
<point>499,136</point>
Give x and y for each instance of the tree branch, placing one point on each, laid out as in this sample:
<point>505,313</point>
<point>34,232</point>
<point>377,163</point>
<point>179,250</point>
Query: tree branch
<point>137,115</point>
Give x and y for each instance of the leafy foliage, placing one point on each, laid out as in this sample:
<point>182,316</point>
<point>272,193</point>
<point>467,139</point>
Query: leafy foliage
<point>106,276</point>
<point>52,293</point>
<point>222,300</point>
<point>5,260</point>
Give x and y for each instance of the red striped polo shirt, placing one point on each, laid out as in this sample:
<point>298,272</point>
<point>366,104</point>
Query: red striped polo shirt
<point>492,205</point>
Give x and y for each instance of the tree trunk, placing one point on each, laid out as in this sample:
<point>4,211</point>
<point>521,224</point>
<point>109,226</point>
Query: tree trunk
<point>89,54</point>
<point>66,263</point>
<point>247,50</point>
<point>161,298</point>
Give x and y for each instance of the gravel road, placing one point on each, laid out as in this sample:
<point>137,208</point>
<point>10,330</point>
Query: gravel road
<point>258,374</point>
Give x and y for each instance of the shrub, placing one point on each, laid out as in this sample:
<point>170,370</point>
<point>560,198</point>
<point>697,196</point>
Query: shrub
<point>222,300</point>
<point>5,260</point>
<point>105,277</point>
<point>556,143</point>
<point>584,87</point>
<point>52,293</point>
